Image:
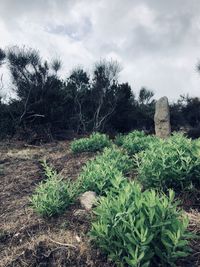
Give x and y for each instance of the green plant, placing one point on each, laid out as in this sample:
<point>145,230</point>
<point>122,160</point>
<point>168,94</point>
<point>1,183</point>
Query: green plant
<point>96,142</point>
<point>3,235</point>
<point>119,139</point>
<point>135,141</point>
<point>1,170</point>
<point>52,196</point>
<point>140,229</point>
<point>49,171</point>
<point>105,171</point>
<point>174,163</point>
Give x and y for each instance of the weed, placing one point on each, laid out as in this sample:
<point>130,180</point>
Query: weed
<point>105,171</point>
<point>140,229</point>
<point>135,141</point>
<point>96,142</point>
<point>52,196</point>
<point>174,163</point>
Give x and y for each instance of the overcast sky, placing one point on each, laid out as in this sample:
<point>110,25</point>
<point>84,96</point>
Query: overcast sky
<point>157,42</point>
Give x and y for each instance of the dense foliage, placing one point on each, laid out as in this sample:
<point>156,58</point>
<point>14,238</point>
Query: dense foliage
<point>172,163</point>
<point>106,171</point>
<point>140,229</point>
<point>95,142</point>
<point>135,141</point>
<point>45,106</point>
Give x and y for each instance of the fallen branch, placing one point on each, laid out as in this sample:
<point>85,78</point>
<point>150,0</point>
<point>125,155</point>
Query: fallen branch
<point>62,244</point>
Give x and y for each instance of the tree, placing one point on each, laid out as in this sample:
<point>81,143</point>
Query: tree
<point>46,106</point>
<point>146,110</point>
<point>124,117</point>
<point>104,86</point>
<point>2,60</point>
<point>191,111</point>
<point>145,96</point>
<point>39,90</point>
<point>2,56</point>
<point>77,95</point>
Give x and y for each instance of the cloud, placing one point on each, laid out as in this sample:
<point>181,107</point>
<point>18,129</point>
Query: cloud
<point>156,42</point>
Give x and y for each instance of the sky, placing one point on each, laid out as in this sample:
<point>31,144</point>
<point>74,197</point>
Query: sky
<point>156,42</point>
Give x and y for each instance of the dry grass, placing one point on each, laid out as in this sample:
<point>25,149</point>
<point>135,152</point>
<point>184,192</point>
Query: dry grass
<point>29,240</point>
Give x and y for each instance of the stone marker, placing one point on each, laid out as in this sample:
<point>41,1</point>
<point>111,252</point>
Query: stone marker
<point>87,200</point>
<point>162,118</point>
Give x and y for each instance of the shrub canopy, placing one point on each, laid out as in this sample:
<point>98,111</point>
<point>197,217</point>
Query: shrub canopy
<point>95,142</point>
<point>140,229</point>
<point>171,163</point>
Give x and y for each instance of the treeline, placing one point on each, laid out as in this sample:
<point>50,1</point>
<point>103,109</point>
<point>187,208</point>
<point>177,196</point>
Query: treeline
<point>46,107</point>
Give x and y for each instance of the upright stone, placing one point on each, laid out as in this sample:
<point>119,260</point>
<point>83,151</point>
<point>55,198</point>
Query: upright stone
<point>162,118</point>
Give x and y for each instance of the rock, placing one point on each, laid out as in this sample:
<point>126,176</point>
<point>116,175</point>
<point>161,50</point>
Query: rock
<point>78,239</point>
<point>87,200</point>
<point>162,118</point>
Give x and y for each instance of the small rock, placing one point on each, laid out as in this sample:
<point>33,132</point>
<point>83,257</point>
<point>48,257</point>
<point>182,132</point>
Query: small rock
<point>78,239</point>
<point>87,200</point>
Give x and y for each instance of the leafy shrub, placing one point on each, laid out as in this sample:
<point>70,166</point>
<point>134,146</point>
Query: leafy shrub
<point>140,229</point>
<point>52,196</point>
<point>174,163</point>
<point>135,141</point>
<point>96,142</point>
<point>194,132</point>
<point>1,170</point>
<point>105,171</point>
<point>119,139</point>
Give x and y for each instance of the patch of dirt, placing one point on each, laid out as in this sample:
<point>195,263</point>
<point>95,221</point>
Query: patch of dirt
<point>29,240</point>
<point>25,238</point>
<point>194,226</point>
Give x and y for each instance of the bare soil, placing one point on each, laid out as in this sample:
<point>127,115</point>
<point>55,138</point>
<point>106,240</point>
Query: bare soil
<point>29,240</point>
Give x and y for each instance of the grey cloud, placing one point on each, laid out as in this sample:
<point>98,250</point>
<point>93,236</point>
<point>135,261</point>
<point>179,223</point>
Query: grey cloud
<point>73,30</point>
<point>157,41</point>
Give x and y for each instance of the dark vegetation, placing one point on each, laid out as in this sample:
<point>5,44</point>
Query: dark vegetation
<point>45,107</point>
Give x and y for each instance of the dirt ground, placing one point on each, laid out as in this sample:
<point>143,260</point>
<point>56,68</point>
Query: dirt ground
<point>29,240</point>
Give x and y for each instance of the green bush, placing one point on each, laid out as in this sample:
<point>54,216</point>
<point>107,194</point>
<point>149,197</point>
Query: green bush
<point>105,171</point>
<point>1,170</point>
<point>52,196</point>
<point>119,139</point>
<point>135,141</point>
<point>174,163</point>
<point>96,142</point>
<point>140,229</point>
